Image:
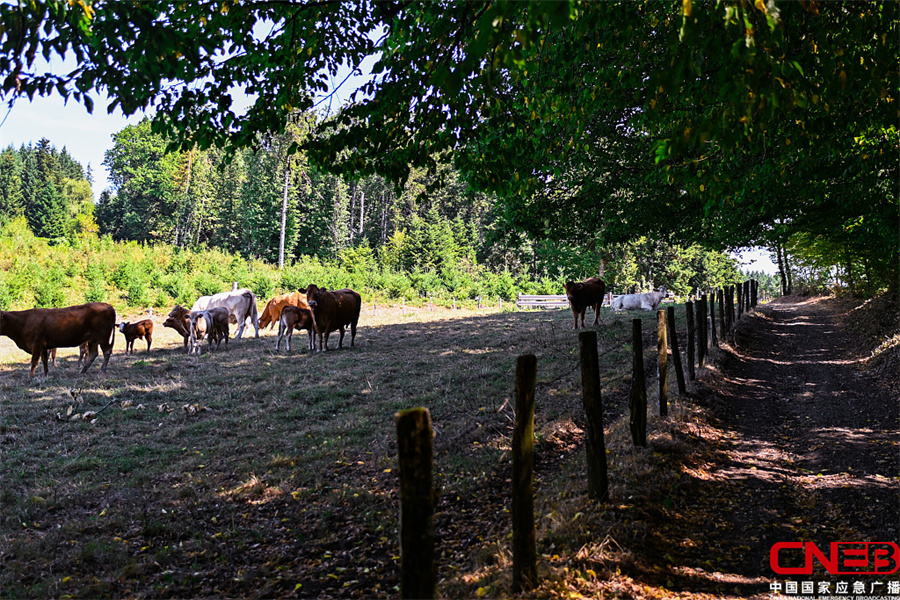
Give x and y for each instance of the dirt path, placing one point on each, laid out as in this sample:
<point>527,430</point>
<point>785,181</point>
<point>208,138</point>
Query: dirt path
<point>806,449</point>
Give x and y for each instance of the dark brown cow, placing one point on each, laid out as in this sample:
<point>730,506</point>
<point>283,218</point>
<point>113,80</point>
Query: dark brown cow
<point>584,294</point>
<point>180,322</point>
<point>136,331</point>
<point>295,317</point>
<point>333,311</point>
<point>179,326</point>
<point>38,330</point>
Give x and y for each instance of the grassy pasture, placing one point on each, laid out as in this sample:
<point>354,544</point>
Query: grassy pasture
<point>279,478</point>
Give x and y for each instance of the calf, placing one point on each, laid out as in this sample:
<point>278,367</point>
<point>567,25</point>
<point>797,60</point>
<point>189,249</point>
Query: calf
<point>211,323</point>
<point>295,317</point>
<point>333,311</point>
<point>272,312</point>
<point>648,301</point>
<point>179,321</point>
<point>217,325</point>
<point>135,331</point>
<point>179,326</point>
<point>39,330</point>
<point>584,294</point>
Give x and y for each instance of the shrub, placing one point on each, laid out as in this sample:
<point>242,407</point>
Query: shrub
<point>96,291</point>
<point>207,285</point>
<point>262,285</point>
<point>50,293</point>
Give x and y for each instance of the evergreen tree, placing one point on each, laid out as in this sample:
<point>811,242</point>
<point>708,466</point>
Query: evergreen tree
<point>11,199</point>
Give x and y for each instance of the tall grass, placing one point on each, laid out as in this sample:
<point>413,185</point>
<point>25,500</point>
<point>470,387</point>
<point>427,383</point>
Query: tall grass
<point>133,276</point>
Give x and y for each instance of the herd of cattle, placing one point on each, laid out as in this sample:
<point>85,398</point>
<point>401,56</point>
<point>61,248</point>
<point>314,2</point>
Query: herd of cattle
<point>89,327</point>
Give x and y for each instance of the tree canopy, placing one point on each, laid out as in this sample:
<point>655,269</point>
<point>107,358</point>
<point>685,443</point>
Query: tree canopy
<point>728,123</point>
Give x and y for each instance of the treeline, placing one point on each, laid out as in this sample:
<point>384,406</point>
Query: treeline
<point>177,225</point>
<point>49,188</point>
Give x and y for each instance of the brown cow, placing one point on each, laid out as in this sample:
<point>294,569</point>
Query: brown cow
<point>38,330</point>
<point>295,317</point>
<point>135,331</point>
<point>179,321</point>
<point>272,312</point>
<point>179,326</point>
<point>333,311</point>
<point>586,293</point>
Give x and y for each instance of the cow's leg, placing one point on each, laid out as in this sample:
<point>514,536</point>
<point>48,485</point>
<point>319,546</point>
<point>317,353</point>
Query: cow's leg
<point>341,340</point>
<point>281,333</point>
<point>240,330</point>
<point>149,337</point>
<point>596,313</point>
<point>575,314</point>
<point>352,333</point>
<point>92,355</point>
<point>35,359</point>
<point>312,339</point>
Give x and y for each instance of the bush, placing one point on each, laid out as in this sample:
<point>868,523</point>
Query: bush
<point>207,285</point>
<point>96,291</point>
<point>262,285</point>
<point>50,293</point>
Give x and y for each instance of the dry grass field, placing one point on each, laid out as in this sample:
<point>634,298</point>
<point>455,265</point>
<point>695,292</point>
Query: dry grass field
<point>255,473</point>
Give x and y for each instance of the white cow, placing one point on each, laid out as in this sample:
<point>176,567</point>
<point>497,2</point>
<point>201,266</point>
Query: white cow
<point>241,304</point>
<point>648,301</point>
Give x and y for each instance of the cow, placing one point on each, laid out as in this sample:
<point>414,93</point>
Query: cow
<point>211,323</point>
<point>647,301</point>
<point>135,331</point>
<point>39,330</point>
<point>179,326</point>
<point>179,321</point>
<point>333,311</point>
<point>295,317</point>
<point>241,305</point>
<point>584,294</point>
<point>272,311</point>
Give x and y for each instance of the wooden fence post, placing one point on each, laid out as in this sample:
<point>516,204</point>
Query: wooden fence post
<point>729,292</point>
<point>712,319</point>
<point>701,331</point>
<point>740,300</point>
<point>662,350</point>
<point>689,313</point>
<point>524,576</point>
<point>722,330</point>
<point>594,442</point>
<point>418,571</point>
<point>638,396</point>
<point>676,353</point>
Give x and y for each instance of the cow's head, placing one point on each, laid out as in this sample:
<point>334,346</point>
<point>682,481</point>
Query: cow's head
<point>312,293</point>
<point>572,287</point>
<point>179,312</point>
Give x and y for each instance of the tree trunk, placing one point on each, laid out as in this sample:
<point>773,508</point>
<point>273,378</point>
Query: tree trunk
<point>284,206</point>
